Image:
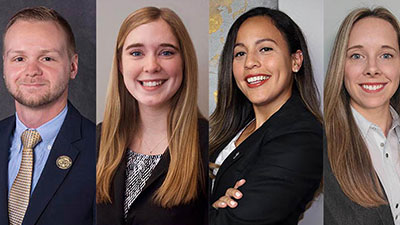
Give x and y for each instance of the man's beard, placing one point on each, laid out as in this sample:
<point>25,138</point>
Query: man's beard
<point>37,100</point>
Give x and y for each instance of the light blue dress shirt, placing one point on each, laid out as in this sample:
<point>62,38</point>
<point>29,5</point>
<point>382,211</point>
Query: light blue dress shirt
<point>48,132</point>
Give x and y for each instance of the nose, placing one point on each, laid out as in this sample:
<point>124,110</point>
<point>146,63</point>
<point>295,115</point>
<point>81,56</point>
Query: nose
<point>251,61</point>
<point>371,68</point>
<point>33,69</point>
<point>151,64</point>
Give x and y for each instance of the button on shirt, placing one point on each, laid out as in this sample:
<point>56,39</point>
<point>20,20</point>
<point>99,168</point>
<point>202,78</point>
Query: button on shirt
<point>48,133</point>
<point>385,156</point>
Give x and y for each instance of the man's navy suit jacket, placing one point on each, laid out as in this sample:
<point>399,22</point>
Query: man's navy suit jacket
<point>61,196</point>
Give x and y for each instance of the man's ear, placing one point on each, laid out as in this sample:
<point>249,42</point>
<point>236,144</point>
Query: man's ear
<point>74,67</point>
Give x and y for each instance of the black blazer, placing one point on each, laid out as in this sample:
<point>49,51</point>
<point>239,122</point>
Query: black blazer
<point>282,164</point>
<point>143,211</point>
<point>339,209</point>
<point>61,197</point>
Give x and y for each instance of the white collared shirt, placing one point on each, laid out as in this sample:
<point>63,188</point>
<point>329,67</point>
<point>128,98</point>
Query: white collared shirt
<point>385,156</point>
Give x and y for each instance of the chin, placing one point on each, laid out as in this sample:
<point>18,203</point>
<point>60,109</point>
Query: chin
<point>374,104</point>
<point>151,103</point>
<point>259,102</point>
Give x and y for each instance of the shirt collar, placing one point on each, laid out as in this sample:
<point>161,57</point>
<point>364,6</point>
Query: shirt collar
<point>395,118</point>
<point>395,122</point>
<point>364,125</point>
<point>48,131</point>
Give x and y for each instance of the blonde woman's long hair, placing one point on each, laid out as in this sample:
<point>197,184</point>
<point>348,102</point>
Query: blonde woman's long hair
<point>347,152</point>
<point>120,124</point>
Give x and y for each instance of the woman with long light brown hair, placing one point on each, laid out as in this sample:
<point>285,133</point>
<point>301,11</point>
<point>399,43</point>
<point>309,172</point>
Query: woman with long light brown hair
<point>361,105</point>
<point>153,143</point>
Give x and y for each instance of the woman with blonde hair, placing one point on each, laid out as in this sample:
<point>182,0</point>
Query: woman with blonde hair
<point>361,105</point>
<point>153,142</point>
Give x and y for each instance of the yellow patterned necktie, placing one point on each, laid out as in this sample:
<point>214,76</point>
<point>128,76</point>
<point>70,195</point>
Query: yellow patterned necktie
<point>18,199</point>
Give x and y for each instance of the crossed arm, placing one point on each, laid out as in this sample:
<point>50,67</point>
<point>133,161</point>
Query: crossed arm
<point>282,180</point>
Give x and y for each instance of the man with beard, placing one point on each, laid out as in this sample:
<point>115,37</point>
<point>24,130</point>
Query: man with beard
<point>47,149</point>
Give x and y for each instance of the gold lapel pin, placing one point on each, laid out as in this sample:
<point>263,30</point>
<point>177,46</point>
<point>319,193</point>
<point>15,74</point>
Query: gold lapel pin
<point>64,162</point>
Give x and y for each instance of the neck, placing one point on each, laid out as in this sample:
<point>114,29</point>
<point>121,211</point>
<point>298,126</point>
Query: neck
<point>34,117</point>
<point>380,116</point>
<point>264,112</point>
<point>153,120</point>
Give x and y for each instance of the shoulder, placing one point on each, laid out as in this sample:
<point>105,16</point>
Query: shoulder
<point>7,121</point>
<point>74,116</point>
<point>88,128</point>
<point>7,127</point>
<point>338,208</point>
<point>202,126</point>
<point>294,125</point>
<point>296,153</point>
<point>293,118</point>
<point>98,136</point>
<point>98,130</point>
<point>79,131</point>
<point>293,139</point>
<point>203,138</point>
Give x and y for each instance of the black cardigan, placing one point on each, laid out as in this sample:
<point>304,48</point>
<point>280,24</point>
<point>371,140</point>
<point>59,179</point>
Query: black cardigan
<point>143,211</point>
<point>282,164</point>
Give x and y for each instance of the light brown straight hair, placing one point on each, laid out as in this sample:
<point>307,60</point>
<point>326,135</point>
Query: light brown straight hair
<point>185,174</point>
<point>347,152</point>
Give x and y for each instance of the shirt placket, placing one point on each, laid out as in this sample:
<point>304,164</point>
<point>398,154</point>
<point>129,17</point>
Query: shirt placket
<point>389,164</point>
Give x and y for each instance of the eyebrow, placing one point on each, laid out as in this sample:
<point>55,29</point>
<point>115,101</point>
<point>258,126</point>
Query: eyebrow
<point>139,45</point>
<point>360,46</point>
<point>257,42</point>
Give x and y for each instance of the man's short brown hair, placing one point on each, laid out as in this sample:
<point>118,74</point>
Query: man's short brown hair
<point>42,13</point>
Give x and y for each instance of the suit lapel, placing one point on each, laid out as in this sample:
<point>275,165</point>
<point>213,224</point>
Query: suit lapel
<point>242,150</point>
<point>160,169</point>
<point>264,133</point>
<point>7,127</point>
<point>52,176</point>
<point>228,162</point>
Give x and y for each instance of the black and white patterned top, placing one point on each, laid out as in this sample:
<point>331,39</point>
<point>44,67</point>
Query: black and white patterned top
<point>138,170</point>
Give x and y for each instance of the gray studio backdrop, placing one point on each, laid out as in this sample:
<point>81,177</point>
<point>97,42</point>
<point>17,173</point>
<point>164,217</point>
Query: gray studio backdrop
<point>81,15</point>
<point>110,14</point>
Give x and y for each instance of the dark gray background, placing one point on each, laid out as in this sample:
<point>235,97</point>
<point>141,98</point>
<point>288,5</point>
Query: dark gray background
<point>81,15</point>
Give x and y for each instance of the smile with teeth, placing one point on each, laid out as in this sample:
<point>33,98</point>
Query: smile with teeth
<point>256,79</point>
<point>153,83</point>
<point>372,87</point>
